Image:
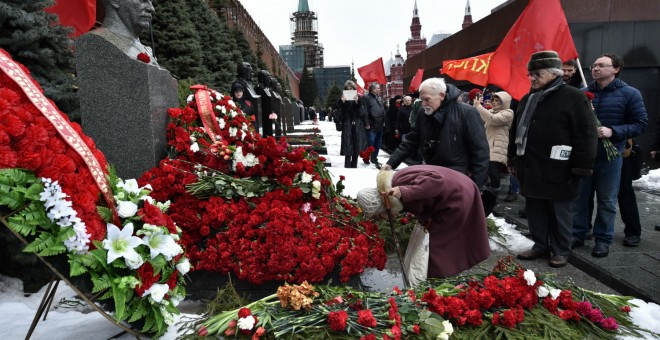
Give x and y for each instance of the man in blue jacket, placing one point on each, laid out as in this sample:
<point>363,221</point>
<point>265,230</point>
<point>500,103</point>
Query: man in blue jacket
<point>621,111</point>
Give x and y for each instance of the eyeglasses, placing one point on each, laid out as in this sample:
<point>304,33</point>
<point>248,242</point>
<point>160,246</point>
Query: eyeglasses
<point>535,74</point>
<point>599,66</point>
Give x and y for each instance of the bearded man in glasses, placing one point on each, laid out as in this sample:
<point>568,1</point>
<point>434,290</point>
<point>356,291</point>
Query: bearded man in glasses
<point>552,144</point>
<point>620,109</point>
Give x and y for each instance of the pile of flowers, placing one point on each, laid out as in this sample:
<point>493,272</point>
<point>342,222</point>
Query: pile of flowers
<point>54,202</point>
<point>509,302</point>
<point>258,207</point>
<point>366,154</point>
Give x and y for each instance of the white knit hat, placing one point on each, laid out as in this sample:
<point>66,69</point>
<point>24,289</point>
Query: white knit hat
<point>370,199</point>
<point>370,202</point>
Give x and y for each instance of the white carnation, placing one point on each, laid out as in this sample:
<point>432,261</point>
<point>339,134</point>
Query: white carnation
<point>530,277</point>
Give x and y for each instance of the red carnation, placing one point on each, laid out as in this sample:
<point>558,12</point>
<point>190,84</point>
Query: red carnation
<point>366,318</point>
<point>147,278</point>
<point>244,312</point>
<point>143,57</point>
<point>625,309</point>
<point>416,329</point>
<point>337,320</point>
<point>590,95</point>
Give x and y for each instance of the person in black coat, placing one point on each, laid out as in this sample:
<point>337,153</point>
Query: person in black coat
<point>376,116</point>
<point>449,133</point>
<point>552,117</point>
<point>239,99</point>
<point>391,142</point>
<point>353,120</point>
<point>402,126</point>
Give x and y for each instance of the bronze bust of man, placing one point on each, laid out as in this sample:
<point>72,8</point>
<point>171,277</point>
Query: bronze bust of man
<point>264,81</point>
<point>124,21</point>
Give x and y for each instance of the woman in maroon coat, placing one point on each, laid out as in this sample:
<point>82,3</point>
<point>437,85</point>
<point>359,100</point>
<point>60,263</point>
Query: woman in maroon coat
<point>449,203</point>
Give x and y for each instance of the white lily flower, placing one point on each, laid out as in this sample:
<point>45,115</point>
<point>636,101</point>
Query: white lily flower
<point>130,186</point>
<point>121,243</point>
<point>157,291</point>
<point>530,277</point>
<point>160,243</point>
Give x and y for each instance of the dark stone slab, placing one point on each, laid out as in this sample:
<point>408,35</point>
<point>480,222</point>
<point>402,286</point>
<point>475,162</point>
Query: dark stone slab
<point>123,104</point>
<point>204,285</point>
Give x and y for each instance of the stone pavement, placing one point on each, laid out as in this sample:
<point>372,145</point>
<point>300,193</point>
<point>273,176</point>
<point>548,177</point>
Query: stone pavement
<point>629,271</point>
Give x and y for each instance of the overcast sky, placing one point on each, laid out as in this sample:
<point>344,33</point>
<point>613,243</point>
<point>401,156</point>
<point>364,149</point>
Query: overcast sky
<point>364,30</point>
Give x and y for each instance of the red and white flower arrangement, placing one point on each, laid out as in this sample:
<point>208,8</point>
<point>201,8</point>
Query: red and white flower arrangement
<point>256,206</point>
<point>56,204</point>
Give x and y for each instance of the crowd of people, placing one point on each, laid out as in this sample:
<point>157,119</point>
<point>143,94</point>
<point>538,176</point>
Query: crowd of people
<point>556,144</point>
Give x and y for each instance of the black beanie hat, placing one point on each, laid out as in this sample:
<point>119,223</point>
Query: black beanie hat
<point>236,86</point>
<point>544,59</point>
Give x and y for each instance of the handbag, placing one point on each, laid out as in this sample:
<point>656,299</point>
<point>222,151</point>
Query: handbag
<point>416,260</point>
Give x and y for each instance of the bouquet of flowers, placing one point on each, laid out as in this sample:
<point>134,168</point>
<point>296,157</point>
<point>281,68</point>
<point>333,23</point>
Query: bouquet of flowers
<point>366,154</point>
<point>54,201</point>
<point>612,152</point>
<point>509,302</point>
<point>256,206</point>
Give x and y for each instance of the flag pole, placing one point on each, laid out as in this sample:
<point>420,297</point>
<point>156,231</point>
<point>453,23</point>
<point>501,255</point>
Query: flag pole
<point>584,81</point>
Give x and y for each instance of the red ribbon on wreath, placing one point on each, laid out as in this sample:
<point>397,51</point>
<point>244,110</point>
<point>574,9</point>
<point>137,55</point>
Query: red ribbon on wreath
<point>48,110</point>
<point>205,110</point>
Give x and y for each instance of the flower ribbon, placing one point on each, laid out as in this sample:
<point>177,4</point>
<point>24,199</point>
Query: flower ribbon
<point>205,109</point>
<point>15,73</point>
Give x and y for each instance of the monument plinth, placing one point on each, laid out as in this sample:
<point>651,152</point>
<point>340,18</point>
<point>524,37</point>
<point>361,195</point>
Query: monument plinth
<point>123,104</point>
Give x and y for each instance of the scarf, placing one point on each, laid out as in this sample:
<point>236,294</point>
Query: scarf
<point>523,125</point>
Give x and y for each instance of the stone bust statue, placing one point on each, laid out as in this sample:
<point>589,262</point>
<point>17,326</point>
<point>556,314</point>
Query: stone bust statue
<point>264,78</point>
<point>245,72</point>
<point>275,87</point>
<point>264,82</point>
<point>124,21</point>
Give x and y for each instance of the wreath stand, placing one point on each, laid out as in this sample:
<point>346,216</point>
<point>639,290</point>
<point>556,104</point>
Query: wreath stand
<point>47,300</point>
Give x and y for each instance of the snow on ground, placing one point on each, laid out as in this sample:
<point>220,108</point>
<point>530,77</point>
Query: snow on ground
<point>514,241</point>
<point>650,181</point>
<point>70,318</point>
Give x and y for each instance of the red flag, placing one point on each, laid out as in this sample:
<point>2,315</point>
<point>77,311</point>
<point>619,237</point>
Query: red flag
<point>473,69</point>
<point>375,71</point>
<point>541,26</point>
<point>416,81</point>
<point>360,89</point>
<point>78,14</point>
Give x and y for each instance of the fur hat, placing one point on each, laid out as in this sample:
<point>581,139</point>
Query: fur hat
<point>544,59</point>
<point>370,199</point>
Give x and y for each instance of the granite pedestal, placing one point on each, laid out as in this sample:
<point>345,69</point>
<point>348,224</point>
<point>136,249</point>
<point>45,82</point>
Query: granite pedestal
<point>123,104</point>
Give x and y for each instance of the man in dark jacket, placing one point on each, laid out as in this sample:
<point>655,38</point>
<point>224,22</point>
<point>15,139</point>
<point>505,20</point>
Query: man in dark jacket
<point>621,111</point>
<point>552,143</point>
<point>449,133</point>
<point>376,117</point>
<point>402,126</point>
